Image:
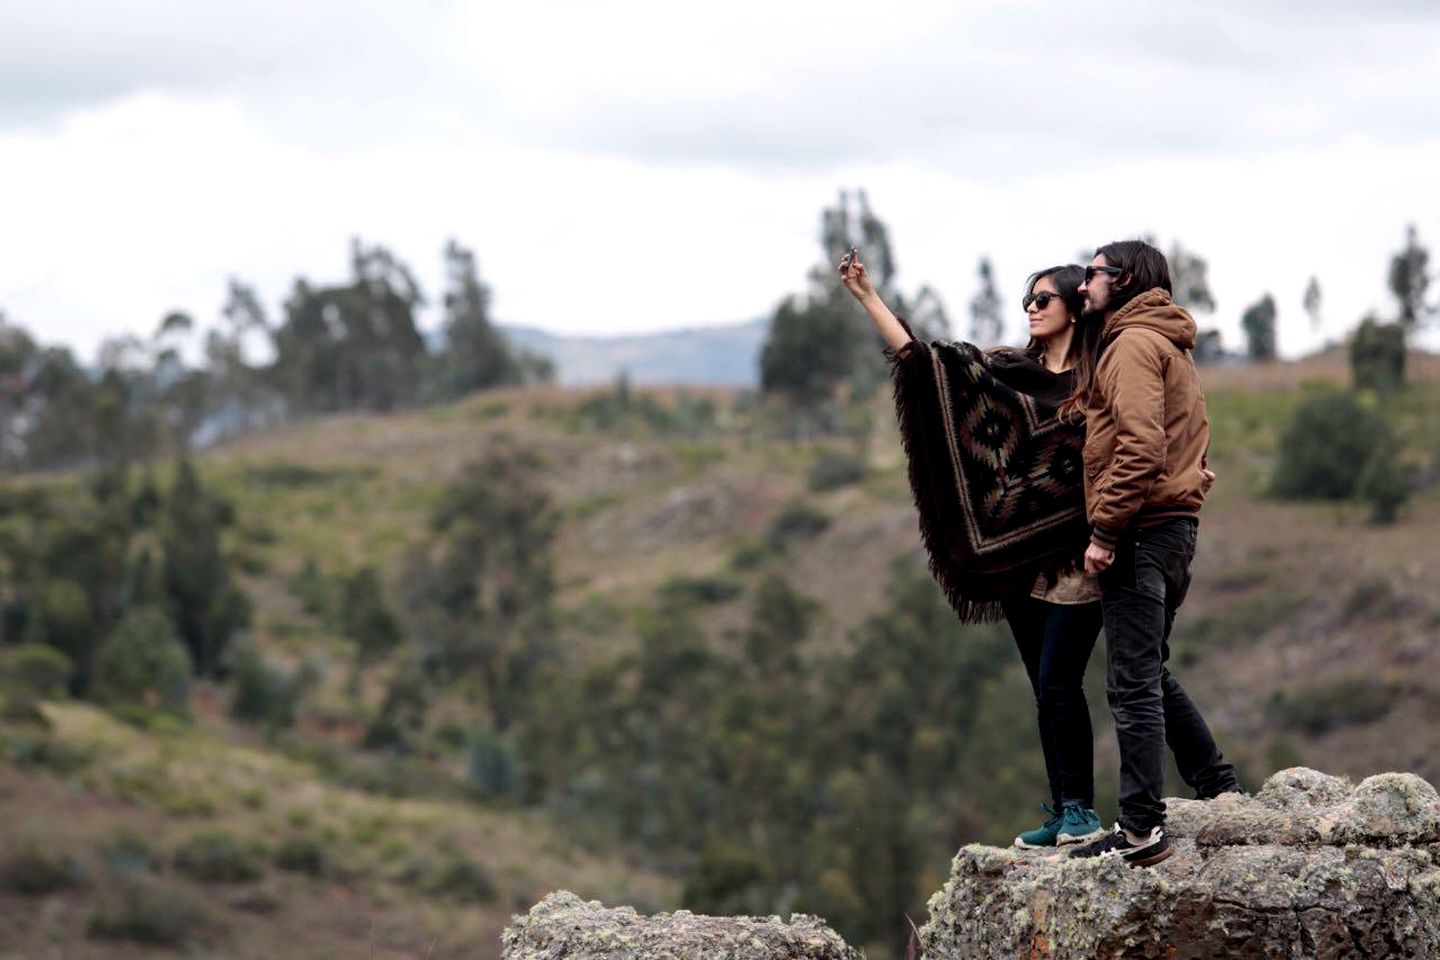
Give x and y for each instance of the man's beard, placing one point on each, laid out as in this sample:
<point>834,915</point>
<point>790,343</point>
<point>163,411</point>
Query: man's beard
<point>1096,317</point>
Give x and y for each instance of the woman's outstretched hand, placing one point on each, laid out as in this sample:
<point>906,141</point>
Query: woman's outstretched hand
<point>856,278</point>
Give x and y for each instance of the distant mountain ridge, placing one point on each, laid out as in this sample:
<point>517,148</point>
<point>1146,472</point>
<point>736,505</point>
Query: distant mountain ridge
<point>727,355</point>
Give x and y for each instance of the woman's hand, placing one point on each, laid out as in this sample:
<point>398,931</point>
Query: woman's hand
<point>856,278</point>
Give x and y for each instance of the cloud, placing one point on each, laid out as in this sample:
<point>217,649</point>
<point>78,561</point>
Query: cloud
<point>632,166</point>
<point>1002,89</point>
<point>84,54</point>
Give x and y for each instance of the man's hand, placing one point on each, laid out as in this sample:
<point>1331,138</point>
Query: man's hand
<point>1098,558</point>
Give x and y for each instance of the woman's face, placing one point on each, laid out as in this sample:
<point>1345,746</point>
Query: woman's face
<point>1054,317</point>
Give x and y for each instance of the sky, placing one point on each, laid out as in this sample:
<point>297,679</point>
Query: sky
<point>628,166</point>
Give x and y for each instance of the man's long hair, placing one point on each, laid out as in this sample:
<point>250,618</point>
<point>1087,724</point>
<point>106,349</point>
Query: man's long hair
<point>1145,269</point>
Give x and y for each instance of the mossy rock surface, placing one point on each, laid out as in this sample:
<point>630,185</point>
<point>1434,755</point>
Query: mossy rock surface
<point>1310,867</point>
<point>563,925</point>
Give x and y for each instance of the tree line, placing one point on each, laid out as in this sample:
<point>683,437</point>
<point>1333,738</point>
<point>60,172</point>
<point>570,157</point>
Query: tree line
<point>347,346</point>
<point>820,351</point>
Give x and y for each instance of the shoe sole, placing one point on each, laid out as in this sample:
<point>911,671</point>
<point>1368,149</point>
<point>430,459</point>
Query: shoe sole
<point>1066,838</point>
<point>1153,859</point>
<point>1033,846</point>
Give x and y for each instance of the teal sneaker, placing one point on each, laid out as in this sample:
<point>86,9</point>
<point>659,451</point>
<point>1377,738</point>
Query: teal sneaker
<point>1043,835</point>
<point>1078,824</point>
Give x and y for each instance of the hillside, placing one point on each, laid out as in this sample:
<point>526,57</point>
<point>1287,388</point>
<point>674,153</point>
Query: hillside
<point>727,355</point>
<point>1308,637</point>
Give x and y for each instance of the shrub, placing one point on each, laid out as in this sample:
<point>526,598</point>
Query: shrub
<point>299,854</point>
<point>401,718</point>
<point>797,521</point>
<point>150,785</point>
<point>726,879</point>
<point>464,879</point>
<point>144,664</point>
<point>41,748</point>
<point>127,851</point>
<point>1327,443</point>
<point>1383,485</point>
<point>492,766</point>
<point>1283,754</point>
<point>1238,623</point>
<point>265,693</point>
<point>1377,356</point>
<point>366,617</point>
<point>260,900</point>
<point>315,591</point>
<point>61,617</point>
<point>32,869</point>
<point>749,555</point>
<point>288,475</point>
<point>833,470</point>
<point>697,591</point>
<point>215,856</point>
<point>1372,598</point>
<point>36,669</point>
<point>1320,707</point>
<point>392,775</point>
<point>147,911</point>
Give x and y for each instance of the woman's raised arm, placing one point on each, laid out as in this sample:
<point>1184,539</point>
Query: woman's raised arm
<point>857,280</point>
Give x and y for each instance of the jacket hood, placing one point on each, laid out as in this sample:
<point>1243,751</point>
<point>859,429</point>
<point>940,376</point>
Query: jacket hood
<point>1155,310</point>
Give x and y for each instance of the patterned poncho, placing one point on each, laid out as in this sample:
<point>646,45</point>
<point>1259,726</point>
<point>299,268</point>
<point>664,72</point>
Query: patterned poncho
<point>997,477</point>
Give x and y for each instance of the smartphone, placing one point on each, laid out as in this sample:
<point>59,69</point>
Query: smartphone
<point>850,257</point>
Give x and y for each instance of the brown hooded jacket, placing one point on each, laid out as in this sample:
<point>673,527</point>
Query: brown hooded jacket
<point>1146,429</point>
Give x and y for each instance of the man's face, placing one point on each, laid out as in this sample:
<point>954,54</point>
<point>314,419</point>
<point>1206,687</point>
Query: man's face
<point>1099,282</point>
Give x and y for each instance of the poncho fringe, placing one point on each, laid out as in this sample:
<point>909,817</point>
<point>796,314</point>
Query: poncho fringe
<point>997,477</point>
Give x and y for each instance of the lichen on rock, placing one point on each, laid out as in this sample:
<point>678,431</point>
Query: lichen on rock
<point>564,926</point>
<point>1308,867</point>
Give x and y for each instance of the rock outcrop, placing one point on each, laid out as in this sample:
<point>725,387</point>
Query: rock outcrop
<point>564,926</point>
<point>1310,867</point>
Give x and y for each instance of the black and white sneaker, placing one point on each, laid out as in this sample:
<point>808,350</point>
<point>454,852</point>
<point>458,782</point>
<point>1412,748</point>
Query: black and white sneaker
<point>1152,848</point>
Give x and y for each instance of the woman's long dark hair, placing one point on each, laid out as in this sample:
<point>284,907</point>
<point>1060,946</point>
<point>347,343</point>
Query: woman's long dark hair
<point>1083,342</point>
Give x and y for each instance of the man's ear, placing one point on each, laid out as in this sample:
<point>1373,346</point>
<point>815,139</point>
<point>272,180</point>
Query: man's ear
<point>1124,280</point>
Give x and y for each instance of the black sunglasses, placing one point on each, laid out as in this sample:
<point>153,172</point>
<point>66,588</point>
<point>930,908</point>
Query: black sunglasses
<point>1041,299</point>
<point>1095,268</point>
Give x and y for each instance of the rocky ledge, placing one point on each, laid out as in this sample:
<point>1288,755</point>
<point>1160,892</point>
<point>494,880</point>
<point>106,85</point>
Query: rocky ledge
<point>564,926</point>
<point>1309,867</point>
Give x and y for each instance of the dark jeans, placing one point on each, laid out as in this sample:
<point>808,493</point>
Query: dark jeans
<point>1055,641</point>
<point>1141,591</point>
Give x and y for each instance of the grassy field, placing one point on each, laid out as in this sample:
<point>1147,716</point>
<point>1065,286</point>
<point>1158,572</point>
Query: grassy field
<point>188,837</point>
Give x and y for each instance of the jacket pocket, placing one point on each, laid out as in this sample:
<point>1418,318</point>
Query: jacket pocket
<point>1096,455</point>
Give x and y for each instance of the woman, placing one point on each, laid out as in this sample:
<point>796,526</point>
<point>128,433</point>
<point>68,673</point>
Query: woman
<point>993,439</point>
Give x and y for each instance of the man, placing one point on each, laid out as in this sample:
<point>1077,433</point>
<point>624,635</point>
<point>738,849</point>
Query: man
<point>1147,437</point>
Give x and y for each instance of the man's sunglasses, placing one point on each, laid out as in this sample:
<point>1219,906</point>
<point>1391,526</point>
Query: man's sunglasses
<point>1095,268</point>
<point>1041,299</point>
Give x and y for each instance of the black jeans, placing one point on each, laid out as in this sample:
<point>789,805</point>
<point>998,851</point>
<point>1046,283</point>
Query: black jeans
<point>1055,641</point>
<point>1141,591</point>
